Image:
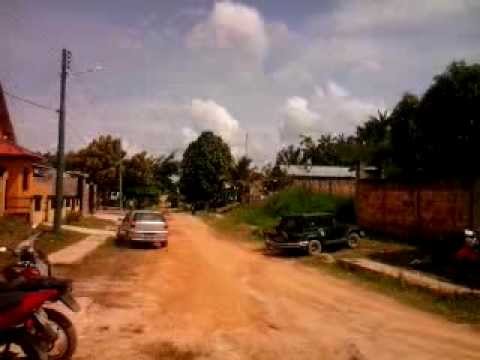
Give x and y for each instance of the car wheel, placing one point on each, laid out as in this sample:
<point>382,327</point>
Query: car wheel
<point>353,240</point>
<point>314,247</point>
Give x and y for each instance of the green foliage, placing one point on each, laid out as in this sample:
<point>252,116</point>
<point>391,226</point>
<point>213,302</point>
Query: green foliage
<point>297,200</point>
<point>138,171</point>
<point>241,175</point>
<point>293,201</point>
<point>206,166</point>
<point>100,160</point>
<point>275,178</point>
<point>373,139</point>
<point>434,135</point>
<point>326,150</point>
<point>449,121</point>
<point>144,176</point>
<point>166,169</point>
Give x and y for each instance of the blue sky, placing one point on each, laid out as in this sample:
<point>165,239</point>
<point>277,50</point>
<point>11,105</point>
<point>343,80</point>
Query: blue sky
<point>275,69</point>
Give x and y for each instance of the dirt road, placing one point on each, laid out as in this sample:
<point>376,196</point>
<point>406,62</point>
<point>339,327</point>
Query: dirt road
<point>207,298</point>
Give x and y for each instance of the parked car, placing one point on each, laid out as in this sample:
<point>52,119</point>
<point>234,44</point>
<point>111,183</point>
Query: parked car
<point>144,226</point>
<point>311,233</point>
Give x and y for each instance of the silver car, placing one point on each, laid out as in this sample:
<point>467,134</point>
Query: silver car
<point>144,226</point>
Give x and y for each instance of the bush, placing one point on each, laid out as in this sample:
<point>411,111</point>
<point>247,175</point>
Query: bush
<point>297,200</point>
<point>294,201</point>
<point>73,217</point>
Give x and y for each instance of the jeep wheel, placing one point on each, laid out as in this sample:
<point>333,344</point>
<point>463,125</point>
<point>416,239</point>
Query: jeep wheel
<point>314,247</point>
<point>353,240</point>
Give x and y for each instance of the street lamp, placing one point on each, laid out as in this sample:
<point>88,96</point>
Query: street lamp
<point>91,70</point>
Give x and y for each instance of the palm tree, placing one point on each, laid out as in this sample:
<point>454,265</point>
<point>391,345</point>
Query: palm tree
<point>241,175</point>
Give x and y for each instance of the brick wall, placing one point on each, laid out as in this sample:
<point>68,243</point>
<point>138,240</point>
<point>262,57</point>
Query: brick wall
<point>424,210</point>
<point>337,187</point>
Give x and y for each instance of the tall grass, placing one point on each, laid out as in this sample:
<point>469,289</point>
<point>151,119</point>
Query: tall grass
<point>291,201</point>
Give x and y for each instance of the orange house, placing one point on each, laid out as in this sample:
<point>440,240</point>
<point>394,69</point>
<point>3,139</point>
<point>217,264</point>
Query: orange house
<point>27,188</point>
<point>20,194</point>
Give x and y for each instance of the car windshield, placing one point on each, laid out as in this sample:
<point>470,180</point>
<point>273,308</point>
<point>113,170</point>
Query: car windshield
<point>148,217</point>
<point>322,221</point>
<point>291,224</point>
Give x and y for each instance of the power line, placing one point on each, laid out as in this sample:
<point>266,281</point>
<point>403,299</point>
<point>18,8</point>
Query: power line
<point>30,102</point>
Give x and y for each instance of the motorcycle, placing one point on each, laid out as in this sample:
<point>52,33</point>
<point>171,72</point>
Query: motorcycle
<point>25,332</point>
<point>33,272</point>
<point>469,253</point>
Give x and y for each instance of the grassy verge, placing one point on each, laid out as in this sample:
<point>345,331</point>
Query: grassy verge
<point>458,308</point>
<point>49,242</point>
<point>93,222</point>
<point>13,231</point>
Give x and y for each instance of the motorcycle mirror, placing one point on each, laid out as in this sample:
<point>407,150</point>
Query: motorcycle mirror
<point>468,232</point>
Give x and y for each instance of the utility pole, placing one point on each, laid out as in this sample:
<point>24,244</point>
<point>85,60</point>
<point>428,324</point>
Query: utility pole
<point>246,144</point>
<point>120,185</point>
<point>66,59</point>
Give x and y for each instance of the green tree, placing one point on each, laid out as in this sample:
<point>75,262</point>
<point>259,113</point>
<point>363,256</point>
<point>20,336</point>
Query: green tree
<point>373,139</point>
<point>449,122</point>
<point>290,155</point>
<point>166,169</point>
<point>241,175</point>
<point>206,166</point>
<point>405,146</point>
<point>100,160</point>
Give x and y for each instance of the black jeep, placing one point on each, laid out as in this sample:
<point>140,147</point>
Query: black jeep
<point>311,232</point>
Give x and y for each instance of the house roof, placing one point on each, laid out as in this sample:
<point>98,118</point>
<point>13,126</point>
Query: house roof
<point>6,128</point>
<point>302,171</point>
<point>11,150</point>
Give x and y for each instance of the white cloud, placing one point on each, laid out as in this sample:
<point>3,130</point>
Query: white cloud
<point>356,16</point>
<point>208,115</point>
<point>329,110</point>
<point>298,118</point>
<point>188,135</point>
<point>335,90</point>
<point>232,26</point>
<point>130,148</point>
<point>276,80</point>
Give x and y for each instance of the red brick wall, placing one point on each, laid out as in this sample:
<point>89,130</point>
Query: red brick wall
<point>424,210</point>
<point>337,187</point>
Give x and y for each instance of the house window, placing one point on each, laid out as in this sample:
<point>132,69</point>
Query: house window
<point>26,175</point>
<point>38,203</point>
<point>52,203</point>
<point>67,202</point>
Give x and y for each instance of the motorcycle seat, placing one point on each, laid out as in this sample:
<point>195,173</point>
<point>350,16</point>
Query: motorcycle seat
<point>43,283</point>
<point>10,299</point>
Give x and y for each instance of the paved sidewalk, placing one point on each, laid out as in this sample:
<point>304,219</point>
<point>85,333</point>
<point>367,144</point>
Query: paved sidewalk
<point>411,277</point>
<point>88,231</point>
<point>74,254</point>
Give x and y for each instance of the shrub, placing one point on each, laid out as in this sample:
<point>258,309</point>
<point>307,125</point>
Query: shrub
<point>299,200</point>
<point>294,201</point>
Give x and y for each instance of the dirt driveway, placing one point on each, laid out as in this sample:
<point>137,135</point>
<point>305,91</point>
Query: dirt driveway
<point>207,298</point>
